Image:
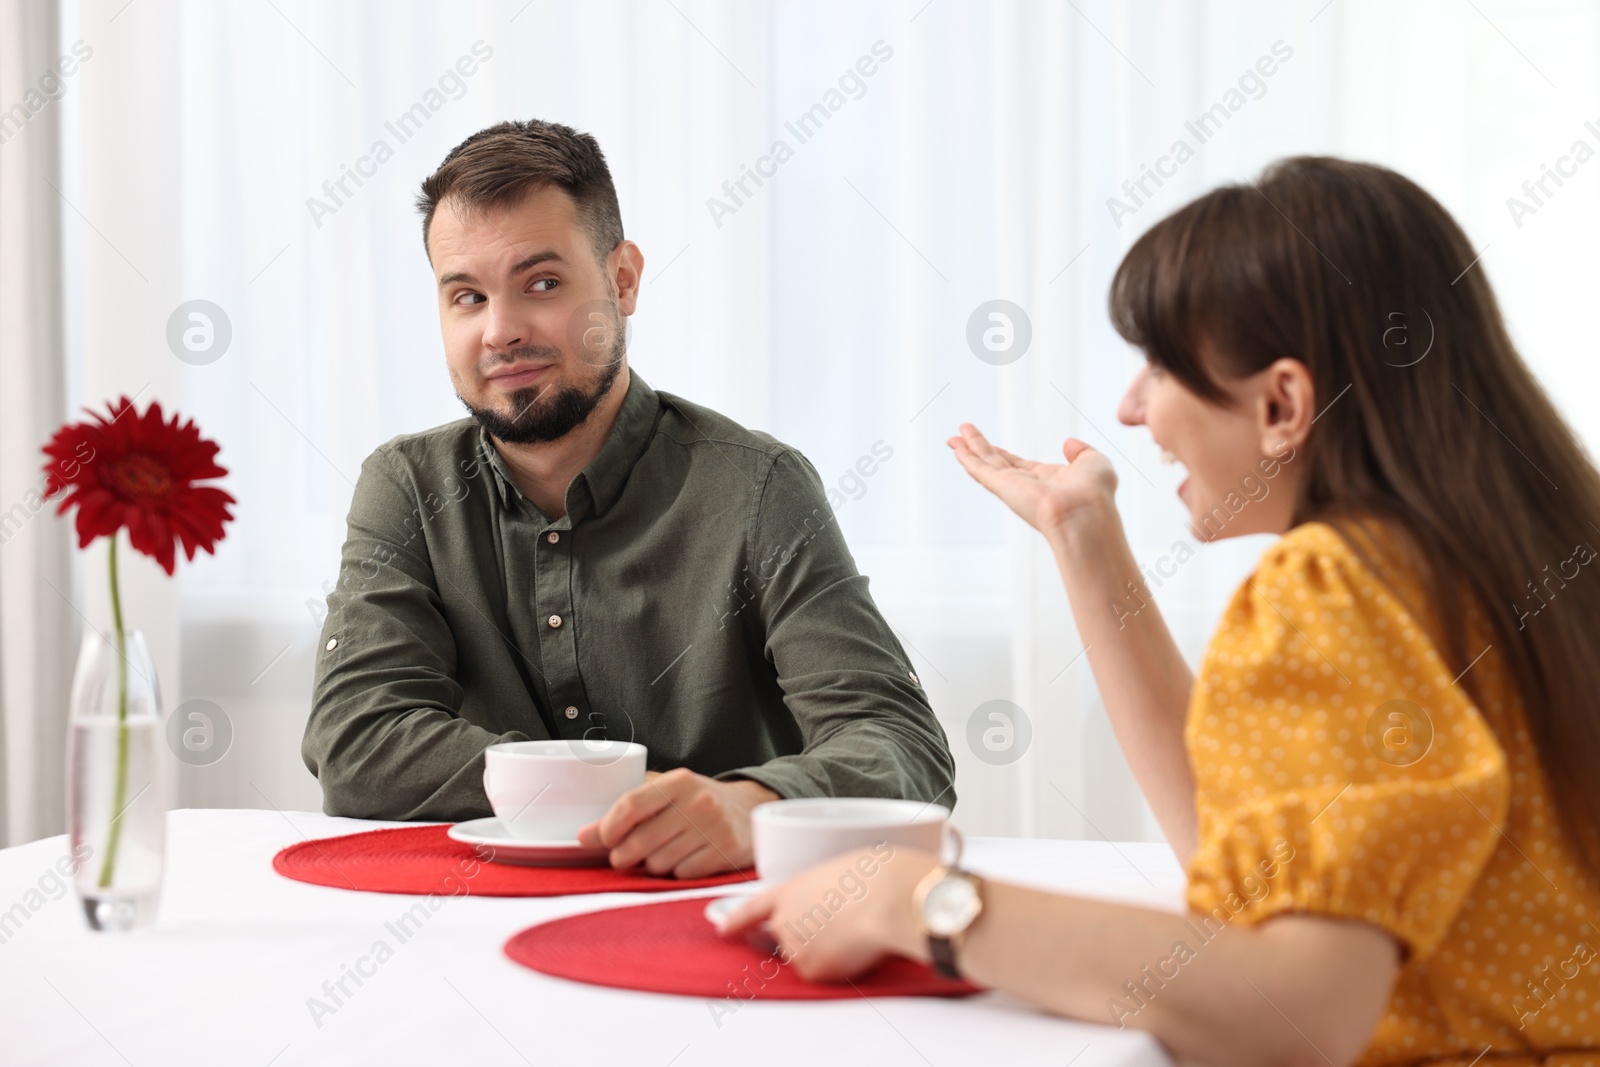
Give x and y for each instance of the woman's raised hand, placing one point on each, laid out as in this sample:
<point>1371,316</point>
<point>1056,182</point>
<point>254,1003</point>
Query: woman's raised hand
<point>1048,496</point>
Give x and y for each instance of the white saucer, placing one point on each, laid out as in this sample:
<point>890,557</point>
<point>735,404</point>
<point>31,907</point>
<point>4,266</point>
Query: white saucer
<point>495,844</point>
<point>718,910</point>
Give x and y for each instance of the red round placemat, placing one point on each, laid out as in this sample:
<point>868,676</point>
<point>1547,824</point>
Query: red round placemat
<point>670,947</point>
<point>423,860</point>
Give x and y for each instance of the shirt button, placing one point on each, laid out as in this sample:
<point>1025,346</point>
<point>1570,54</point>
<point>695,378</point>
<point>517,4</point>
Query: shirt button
<point>913,676</point>
<point>552,537</point>
<point>555,622</point>
<point>572,713</point>
<point>333,643</point>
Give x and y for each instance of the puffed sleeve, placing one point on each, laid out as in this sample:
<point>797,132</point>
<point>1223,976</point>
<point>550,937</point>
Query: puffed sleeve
<point>1339,768</point>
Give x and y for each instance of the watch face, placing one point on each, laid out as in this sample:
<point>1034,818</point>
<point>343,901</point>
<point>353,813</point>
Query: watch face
<point>950,906</point>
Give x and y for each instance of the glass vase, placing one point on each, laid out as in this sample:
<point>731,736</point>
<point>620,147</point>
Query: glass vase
<point>116,796</point>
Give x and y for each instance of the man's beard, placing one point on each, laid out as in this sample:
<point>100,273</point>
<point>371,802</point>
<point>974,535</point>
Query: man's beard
<point>543,415</point>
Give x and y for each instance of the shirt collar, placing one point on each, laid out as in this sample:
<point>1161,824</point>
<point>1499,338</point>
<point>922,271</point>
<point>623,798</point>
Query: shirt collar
<point>602,480</point>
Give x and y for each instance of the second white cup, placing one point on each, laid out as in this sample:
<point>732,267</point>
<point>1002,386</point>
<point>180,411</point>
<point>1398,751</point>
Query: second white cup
<point>791,835</point>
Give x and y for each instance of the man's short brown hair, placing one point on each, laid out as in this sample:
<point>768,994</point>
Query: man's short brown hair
<point>497,166</point>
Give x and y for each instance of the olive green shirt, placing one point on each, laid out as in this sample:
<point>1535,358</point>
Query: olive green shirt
<point>697,598</point>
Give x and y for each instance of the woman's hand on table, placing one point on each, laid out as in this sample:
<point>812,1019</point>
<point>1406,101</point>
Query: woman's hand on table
<point>1328,979</point>
<point>841,917</point>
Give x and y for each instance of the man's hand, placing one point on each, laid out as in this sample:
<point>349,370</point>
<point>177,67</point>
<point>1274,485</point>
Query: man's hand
<point>680,823</point>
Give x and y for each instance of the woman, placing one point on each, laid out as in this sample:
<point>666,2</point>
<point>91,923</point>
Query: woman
<point>1381,781</point>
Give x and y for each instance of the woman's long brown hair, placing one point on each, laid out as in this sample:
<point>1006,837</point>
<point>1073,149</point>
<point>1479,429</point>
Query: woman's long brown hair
<point>1430,421</point>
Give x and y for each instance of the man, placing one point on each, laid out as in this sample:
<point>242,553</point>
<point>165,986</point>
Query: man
<point>587,558</point>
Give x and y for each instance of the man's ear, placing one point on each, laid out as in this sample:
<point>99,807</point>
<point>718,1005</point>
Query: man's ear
<point>1285,405</point>
<point>626,264</point>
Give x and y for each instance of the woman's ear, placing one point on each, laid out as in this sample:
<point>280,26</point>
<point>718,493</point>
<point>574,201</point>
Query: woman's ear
<point>1285,405</point>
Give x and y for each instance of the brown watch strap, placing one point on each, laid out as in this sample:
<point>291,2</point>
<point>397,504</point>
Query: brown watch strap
<point>943,951</point>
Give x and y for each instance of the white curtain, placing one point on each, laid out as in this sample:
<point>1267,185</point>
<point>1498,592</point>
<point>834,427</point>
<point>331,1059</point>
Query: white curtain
<point>36,615</point>
<point>955,154</point>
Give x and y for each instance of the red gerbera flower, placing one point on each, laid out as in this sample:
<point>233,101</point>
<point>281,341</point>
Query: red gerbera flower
<point>138,471</point>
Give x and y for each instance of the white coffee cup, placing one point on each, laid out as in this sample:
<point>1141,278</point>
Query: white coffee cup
<point>793,835</point>
<point>547,790</point>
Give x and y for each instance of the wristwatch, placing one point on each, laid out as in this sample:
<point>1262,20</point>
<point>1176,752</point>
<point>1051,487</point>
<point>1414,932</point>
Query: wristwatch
<point>947,902</point>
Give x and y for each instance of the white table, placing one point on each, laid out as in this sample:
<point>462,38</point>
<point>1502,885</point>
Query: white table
<point>224,975</point>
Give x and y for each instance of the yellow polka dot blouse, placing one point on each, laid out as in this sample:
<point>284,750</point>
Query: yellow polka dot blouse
<point>1342,771</point>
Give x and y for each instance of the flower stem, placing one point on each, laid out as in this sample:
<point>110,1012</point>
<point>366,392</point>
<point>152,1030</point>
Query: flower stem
<point>109,863</point>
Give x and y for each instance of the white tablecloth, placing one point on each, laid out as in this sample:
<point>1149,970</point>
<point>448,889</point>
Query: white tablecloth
<point>225,975</point>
